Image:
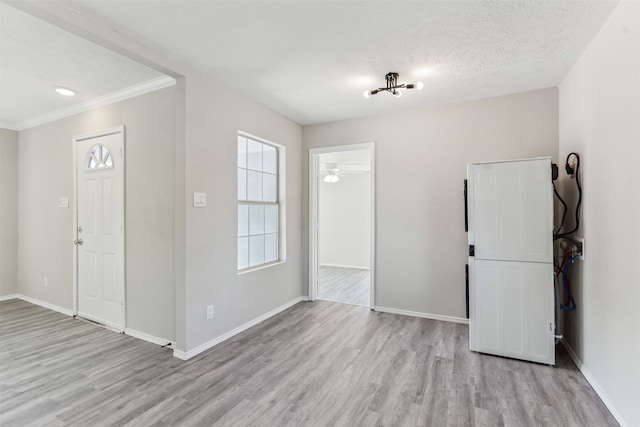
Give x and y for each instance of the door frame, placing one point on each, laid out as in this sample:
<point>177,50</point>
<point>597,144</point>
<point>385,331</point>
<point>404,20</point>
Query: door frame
<point>314,176</point>
<point>83,137</point>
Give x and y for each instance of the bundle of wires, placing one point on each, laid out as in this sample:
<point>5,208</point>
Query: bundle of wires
<point>576,172</point>
<point>569,258</point>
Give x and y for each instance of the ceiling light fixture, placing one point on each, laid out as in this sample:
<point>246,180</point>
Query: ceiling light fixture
<point>64,91</point>
<point>332,176</point>
<point>393,86</point>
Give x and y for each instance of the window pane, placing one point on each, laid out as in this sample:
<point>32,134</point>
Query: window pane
<point>256,220</point>
<point>242,152</point>
<point>270,219</point>
<point>269,159</point>
<point>258,211</point>
<point>254,191</point>
<point>270,247</point>
<point>243,220</point>
<point>243,252</point>
<point>256,250</point>
<point>255,155</point>
<point>242,184</point>
<point>269,188</point>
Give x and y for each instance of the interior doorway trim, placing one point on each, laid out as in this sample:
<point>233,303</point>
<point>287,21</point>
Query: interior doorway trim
<point>76,139</point>
<point>314,177</point>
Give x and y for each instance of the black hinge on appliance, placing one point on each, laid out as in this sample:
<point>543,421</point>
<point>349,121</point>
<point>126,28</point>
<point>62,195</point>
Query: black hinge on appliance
<point>472,250</point>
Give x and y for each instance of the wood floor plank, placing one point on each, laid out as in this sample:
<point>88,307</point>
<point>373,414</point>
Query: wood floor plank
<point>345,285</point>
<point>316,364</point>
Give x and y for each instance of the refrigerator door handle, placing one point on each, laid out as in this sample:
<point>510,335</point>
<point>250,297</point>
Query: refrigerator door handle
<point>466,278</point>
<point>466,208</point>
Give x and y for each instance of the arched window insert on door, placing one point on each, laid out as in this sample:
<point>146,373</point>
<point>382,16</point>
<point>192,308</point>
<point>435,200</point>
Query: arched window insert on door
<point>99,157</point>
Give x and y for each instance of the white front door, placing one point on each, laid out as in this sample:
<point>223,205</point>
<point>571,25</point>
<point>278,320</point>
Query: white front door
<point>100,227</point>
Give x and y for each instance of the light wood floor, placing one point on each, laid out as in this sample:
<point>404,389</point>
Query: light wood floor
<point>346,285</point>
<point>316,364</point>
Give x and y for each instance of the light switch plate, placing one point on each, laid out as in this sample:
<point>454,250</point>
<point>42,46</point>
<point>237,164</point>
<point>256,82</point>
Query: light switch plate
<point>199,200</point>
<point>63,202</point>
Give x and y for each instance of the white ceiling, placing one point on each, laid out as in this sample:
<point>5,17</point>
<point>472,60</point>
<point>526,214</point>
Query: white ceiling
<point>312,60</point>
<point>36,57</point>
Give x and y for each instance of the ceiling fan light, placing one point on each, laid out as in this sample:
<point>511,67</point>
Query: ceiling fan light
<point>397,93</point>
<point>419,85</point>
<point>367,93</point>
<point>331,178</point>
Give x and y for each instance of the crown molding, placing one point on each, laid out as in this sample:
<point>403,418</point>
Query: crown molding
<point>126,93</point>
<point>8,125</point>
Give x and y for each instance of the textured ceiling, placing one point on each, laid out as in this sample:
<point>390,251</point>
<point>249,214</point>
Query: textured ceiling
<point>312,60</point>
<point>36,57</point>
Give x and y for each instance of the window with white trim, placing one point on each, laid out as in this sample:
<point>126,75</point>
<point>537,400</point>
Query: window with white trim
<point>258,202</point>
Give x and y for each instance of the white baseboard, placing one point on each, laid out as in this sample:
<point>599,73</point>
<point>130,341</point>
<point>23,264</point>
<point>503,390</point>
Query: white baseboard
<point>595,385</point>
<point>423,315</point>
<point>45,304</point>
<point>150,338</point>
<point>9,297</point>
<point>128,331</point>
<point>357,267</point>
<point>206,346</point>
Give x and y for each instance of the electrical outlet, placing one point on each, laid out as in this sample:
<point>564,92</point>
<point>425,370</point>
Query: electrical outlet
<point>209,312</point>
<point>46,282</point>
<point>581,240</point>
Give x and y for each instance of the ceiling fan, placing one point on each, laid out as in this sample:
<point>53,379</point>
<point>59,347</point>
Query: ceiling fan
<point>332,175</point>
<point>332,172</point>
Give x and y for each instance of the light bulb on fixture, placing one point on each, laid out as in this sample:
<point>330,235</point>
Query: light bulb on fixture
<point>419,85</point>
<point>331,178</point>
<point>366,94</point>
<point>397,93</point>
<point>64,91</point>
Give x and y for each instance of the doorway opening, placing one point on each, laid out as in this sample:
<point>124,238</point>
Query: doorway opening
<point>99,270</point>
<point>342,224</point>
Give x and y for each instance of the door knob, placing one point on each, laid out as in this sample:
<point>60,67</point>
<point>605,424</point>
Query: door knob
<point>78,242</point>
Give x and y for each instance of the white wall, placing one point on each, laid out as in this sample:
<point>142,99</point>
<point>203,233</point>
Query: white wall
<point>600,119</point>
<point>214,115</point>
<point>345,221</point>
<point>8,212</point>
<point>46,173</point>
<point>421,157</point>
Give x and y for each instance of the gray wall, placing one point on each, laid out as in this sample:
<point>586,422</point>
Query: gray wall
<point>214,115</point>
<point>8,212</point>
<point>344,213</point>
<point>421,157</point>
<point>46,173</point>
<point>599,119</point>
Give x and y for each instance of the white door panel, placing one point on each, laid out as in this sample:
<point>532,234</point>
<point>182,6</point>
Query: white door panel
<point>511,307</point>
<point>100,218</point>
<point>512,210</point>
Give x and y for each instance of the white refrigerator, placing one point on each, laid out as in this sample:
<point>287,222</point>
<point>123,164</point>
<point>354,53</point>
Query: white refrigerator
<point>510,272</point>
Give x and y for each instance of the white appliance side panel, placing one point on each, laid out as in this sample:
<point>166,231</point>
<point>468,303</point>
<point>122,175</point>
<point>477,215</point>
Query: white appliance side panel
<point>511,309</point>
<point>511,210</point>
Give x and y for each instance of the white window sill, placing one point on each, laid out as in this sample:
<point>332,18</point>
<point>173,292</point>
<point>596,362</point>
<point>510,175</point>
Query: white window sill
<point>260,267</point>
